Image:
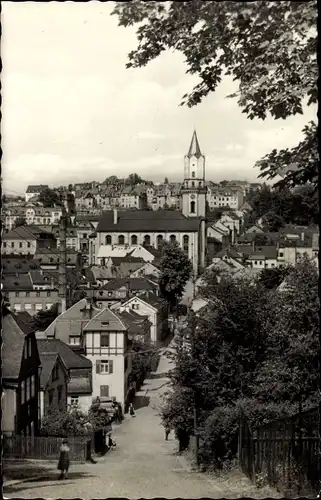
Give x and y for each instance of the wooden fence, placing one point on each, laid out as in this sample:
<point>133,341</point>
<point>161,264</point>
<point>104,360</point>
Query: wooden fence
<point>43,448</point>
<point>286,452</point>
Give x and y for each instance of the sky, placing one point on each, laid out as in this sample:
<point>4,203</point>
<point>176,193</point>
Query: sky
<point>72,112</point>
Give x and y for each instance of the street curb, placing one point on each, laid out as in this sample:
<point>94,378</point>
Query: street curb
<point>14,482</point>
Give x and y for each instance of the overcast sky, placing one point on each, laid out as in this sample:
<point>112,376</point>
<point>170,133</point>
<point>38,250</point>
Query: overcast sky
<point>72,112</point>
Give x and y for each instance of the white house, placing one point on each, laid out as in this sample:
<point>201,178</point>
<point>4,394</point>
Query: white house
<point>106,252</point>
<point>107,347</point>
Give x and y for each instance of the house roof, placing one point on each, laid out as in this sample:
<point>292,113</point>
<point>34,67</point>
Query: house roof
<point>131,283</point>
<point>230,252</point>
<point>153,300</point>
<point>14,264</point>
<point>24,321</point>
<point>68,356</point>
<point>16,283</point>
<point>36,188</point>
<point>113,322</point>
<point>264,252</point>
<point>147,221</point>
<point>13,341</point>
<point>133,321</point>
<point>194,149</point>
<point>19,233</point>
<point>48,361</point>
<point>126,259</point>
<point>79,385</point>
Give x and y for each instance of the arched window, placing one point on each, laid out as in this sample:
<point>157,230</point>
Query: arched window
<point>193,183</point>
<point>192,207</point>
<point>185,243</point>
<point>121,239</point>
<point>172,238</point>
<point>108,240</point>
<point>200,183</point>
<point>159,240</point>
<point>193,174</point>
<point>146,242</point>
<point>133,239</point>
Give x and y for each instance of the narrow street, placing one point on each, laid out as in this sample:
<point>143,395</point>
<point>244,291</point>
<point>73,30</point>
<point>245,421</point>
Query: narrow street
<point>143,465</point>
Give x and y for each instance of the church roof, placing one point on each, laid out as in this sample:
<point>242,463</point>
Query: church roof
<point>194,149</point>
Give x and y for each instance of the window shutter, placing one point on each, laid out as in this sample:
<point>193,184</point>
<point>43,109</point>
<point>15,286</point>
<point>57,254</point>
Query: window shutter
<point>111,367</point>
<point>98,366</point>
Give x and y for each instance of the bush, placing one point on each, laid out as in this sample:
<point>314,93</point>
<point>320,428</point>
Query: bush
<point>66,423</point>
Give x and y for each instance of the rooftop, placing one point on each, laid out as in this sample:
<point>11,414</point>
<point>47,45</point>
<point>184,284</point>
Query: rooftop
<point>68,356</point>
<point>47,363</point>
<point>36,188</point>
<point>131,283</point>
<point>105,321</point>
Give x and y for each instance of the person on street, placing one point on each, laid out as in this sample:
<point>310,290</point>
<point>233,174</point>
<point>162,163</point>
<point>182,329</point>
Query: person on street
<point>64,461</point>
<point>111,442</point>
<point>167,433</point>
<point>131,410</point>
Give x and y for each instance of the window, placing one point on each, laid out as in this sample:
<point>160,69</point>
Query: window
<point>200,184</point>
<point>74,339</point>
<point>108,240</point>
<point>185,243</point>
<point>74,400</point>
<point>49,305</point>
<point>134,239</point>
<point>192,207</point>
<point>104,366</point>
<point>135,306</point>
<point>38,307</point>
<point>272,265</point>
<point>260,262</point>
<point>4,244</point>
<point>193,184</point>
<point>121,239</point>
<point>38,294</point>
<point>48,294</point>
<point>85,235</point>
<point>28,244</point>
<point>255,262</point>
<point>281,254</point>
<point>23,392</point>
<point>59,389</point>
<point>28,307</point>
<point>159,240</point>
<point>104,391</point>
<point>28,389</point>
<point>33,386</point>
<point>104,339</point>
<point>27,294</point>
<point>146,240</point>
<point>29,344</point>
<point>172,238</point>
<point>12,244</point>
<point>20,244</point>
<point>193,174</point>
<point>17,294</point>
<point>51,396</point>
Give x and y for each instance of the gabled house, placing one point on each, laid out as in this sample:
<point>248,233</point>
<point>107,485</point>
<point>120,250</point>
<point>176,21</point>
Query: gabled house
<point>123,288</point>
<point>231,256</point>
<point>109,350</point>
<point>146,269</point>
<point>54,380</point>
<point>255,229</point>
<point>20,377</point>
<point>152,306</point>
<point>35,190</point>
<point>79,386</point>
<point>264,257</point>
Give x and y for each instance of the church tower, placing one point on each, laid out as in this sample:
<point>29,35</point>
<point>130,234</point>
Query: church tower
<point>194,189</point>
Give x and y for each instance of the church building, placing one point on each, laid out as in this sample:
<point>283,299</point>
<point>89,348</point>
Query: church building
<point>129,228</point>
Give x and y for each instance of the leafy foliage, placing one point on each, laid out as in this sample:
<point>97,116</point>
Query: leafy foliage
<point>272,222</point>
<point>253,347</point>
<point>49,197</point>
<point>269,48</point>
<point>98,417</point>
<point>20,221</point>
<point>175,268</point>
<point>43,319</point>
<point>66,423</point>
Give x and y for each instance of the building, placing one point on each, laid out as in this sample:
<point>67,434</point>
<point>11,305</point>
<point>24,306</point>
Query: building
<point>122,289</point>
<point>22,295</point>
<point>47,216</point>
<point>79,368</point>
<point>152,307</point>
<point>113,256</point>
<point>27,240</point>
<point>11,215</point>
<point>20,377</point>
<point>224,197</point>
<point>108,348</point>
<point>33,191</point>
<point>54,380</point>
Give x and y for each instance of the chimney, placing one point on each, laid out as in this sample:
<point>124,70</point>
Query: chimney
<point>115,215</point>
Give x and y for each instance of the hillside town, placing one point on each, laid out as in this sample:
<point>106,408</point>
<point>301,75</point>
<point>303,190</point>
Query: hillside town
<point>160,325</point>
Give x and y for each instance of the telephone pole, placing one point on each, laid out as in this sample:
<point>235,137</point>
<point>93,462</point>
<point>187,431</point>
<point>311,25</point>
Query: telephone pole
<point>62,306</point>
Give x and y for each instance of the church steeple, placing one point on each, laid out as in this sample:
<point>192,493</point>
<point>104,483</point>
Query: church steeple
<point>194,149</point>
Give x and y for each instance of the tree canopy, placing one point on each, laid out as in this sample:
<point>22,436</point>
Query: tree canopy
<point>269,48</point>
<point>49,197</point>
<point>176,269</point>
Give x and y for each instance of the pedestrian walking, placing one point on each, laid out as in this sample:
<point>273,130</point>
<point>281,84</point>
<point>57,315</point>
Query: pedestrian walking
<point>167,433</point>
<point>64,461</point>
<point>131,410</point>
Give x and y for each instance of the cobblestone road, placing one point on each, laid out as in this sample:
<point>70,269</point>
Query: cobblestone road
<point>143,465</point>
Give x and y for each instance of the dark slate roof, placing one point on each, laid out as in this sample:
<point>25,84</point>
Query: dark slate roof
<point>264,252</point>
<point>147,221</point>
<point>68,356</point>
<point>17,264</point>
<point>234,254</point>
<point>48,361</point>
<point>194,149</point>
<point>132,283</point>
<point>13,341</point>
<point>24,321</point>
<point>37,188</point>
<point>153,300</point>
<point>244,249</point>
<point>79,385</point>
<point>19,233</point>
<point>16,283</point>
<point>133,322</point>
<point>128,259</point>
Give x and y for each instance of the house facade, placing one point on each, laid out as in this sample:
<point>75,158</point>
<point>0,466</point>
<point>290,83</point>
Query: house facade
<point>34,190</point>
<point>20,377</point>
<point>54,380</point>
<point>108,348</point>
